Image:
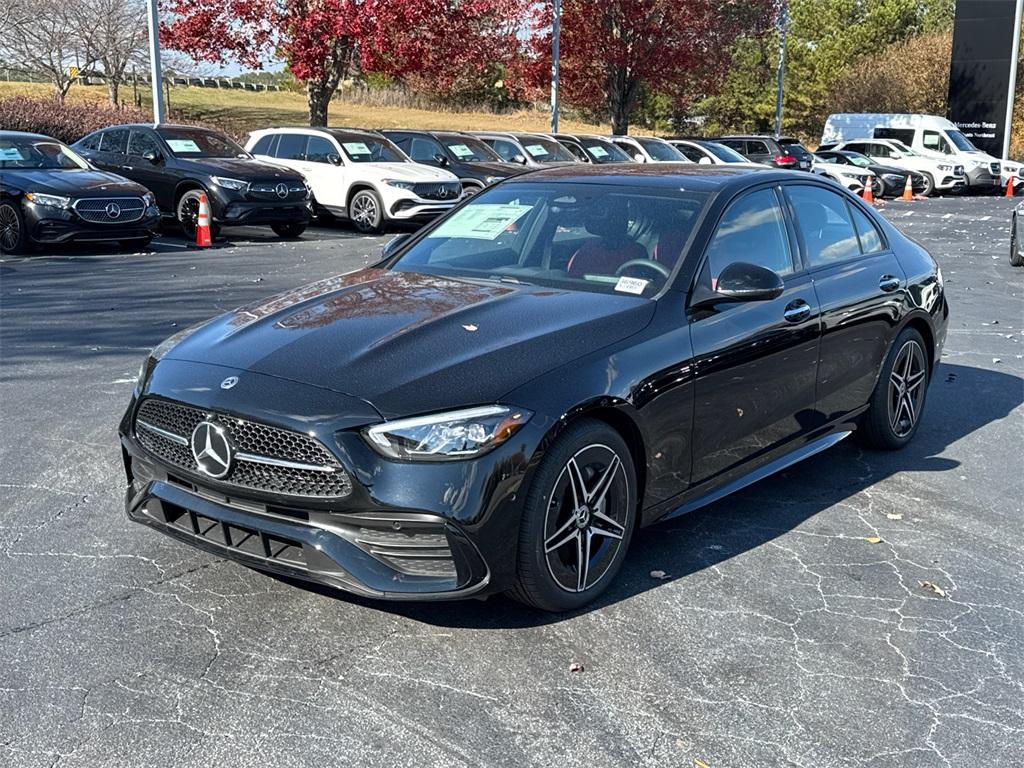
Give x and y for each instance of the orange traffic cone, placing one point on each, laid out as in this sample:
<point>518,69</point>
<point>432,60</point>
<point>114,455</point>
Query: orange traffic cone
<point>203,239</point>
<point>908,189</point>
<point>868,194</point>
<point>1009,187</point>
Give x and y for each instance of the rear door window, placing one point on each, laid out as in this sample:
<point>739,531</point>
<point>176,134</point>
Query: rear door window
<point>265,145</point>
<point>756,147</point>
<point>870,238</point>
<point>823,221</point>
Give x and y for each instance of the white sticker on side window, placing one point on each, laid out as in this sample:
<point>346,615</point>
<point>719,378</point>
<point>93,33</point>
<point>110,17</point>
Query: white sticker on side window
<point>482,221</point>
<point>184,146</point>
<point>631,285</point>
<point>10,153</point>
<point>356,148</point>
<point>460,150</point>
<point>536,150</point>
<point>598,151</point>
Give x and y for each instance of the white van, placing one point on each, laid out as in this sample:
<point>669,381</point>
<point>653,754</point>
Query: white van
<point>927,134</point>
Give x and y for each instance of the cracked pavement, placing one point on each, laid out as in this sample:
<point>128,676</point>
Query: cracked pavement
<point>860,610</point>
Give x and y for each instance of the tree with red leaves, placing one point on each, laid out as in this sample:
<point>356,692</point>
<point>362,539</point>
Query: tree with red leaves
<point>612,50</point>
<point>442,42</point>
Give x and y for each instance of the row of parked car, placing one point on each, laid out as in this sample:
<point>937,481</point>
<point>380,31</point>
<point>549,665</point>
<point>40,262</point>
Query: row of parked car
<point>118,183</point>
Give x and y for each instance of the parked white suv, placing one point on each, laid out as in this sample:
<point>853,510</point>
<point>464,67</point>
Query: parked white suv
<point>940,175</point>
<point>649,149</point>
<point>359,175</point>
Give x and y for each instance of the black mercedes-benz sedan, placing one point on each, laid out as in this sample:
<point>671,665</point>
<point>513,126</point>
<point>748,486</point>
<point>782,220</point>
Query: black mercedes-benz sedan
<point>179,162</point>
<point>48,194</point>
<point>510,392</point>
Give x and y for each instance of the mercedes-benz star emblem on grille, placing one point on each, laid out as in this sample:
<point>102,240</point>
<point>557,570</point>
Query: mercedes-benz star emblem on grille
<point>211,449</point>
<point>113,210</point>
<point>229,382</point>
<point>282,190</point>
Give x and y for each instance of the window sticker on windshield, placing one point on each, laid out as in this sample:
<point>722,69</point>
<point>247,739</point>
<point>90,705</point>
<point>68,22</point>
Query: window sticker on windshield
<point>356,148</point>
<point>536,150</point>
<point>183,145</point>
<point>460,150</point>
<point>483,221</point>
<point>631,285</point>
<point>598,151</point>
<point>10,153</point>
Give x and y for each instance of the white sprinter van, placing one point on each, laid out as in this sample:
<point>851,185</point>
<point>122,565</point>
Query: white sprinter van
<point>927,134</point>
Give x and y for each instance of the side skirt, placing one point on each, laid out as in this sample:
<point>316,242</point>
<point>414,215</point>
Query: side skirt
<point>779,464</point>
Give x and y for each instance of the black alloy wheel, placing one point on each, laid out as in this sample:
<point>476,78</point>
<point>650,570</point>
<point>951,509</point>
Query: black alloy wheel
<point>12,229</point>
<point>579,518</point>
<point>896,406</point>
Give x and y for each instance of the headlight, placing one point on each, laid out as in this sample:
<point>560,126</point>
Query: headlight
<point>400,184</point>
<point>236,184</point>
<point>944,168</point>
<point>149,199</point>
<point>447,436</point>
<point>893,177</point>
<point>492,179</point>
<point>50,201</point>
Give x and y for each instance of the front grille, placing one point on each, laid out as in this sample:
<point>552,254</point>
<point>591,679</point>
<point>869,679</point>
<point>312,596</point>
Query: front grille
<point>438,191</point>
<point>266,458</point>
<point>110,210</point>
<point>294,191</point>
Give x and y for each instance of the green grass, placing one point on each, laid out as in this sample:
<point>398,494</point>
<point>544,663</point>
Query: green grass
<point>239,112</point>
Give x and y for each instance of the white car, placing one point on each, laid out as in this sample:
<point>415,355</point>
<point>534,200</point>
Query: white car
<point>649,149</point>
<point>705,152</point>
<point>359,175</point>
<point>851,177</point>
<point>940,174</point>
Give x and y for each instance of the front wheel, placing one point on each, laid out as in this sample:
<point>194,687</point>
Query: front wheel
<point>894,413</point>
<point>366,211</point>
<point>1016,257</point>
<point>13,237</point>
<point>187,214</point>
<point>580,511</point>
<point>289,229</point>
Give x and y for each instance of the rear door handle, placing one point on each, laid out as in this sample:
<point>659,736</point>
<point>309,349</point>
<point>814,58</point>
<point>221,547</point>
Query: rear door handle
<point>797,311</point>
<point>888,283</point>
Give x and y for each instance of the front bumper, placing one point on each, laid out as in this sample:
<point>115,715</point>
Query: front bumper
<point>417,209</point>
<point>239,212</point>
<point>982,179</point>
<point>52,225</point>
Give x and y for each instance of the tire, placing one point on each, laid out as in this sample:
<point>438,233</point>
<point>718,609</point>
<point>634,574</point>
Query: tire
<point>878,188</point>
<point>13,237</point>
<point>290,229</point>
<point>555,531</point>
<point>929,184</point>
<point>894,412</point>
<point>471,189</point>
<point>1016,257</point>
<point>187,211</point>
<point>366,211</point>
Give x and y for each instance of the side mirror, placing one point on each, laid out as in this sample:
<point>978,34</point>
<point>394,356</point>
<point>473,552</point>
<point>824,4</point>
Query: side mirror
<point>517,158</point>
<point>393,245</point>
<point>704,161</point>
<point>896,155</point>
<point>441,160</point>
<point>151,156</point>
<point>742,281</point>
<point>334,158</point>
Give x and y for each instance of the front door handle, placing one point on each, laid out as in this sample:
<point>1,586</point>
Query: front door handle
<point>888,283</point>
<point>797,311</point>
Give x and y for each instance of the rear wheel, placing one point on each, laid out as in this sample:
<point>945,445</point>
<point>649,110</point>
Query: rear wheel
<point>289,229</point>
<point>929,185</point>
<point>1016,257</point>
<point>13,237</point>
<point>896,405</point>
<point>578,519</point>
<point>366,211</point>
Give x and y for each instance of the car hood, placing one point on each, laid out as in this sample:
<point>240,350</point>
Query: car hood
<point>402,171</point>
<point>877,169</point>
<point>74,183</point>
<point>411,343</point>
<point>240,168</point>
<point>504,170</point>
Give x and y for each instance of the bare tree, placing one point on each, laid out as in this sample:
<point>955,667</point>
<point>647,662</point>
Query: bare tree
<point>43,36</point>
<point>115,31</point>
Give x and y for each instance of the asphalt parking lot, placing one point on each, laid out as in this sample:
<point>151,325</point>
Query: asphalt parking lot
<point>862,609</point>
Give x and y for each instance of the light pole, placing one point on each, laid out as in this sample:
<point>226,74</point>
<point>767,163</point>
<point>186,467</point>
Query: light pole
<point>781,75</point>
<point>556,34</point>
<point>156,76</point>
<point>1008,126</point>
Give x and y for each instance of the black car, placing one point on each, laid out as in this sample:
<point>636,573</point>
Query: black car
<point>476,164</point>
<point>768,150</point>
<point>514,389</point>
<point>889,180</point>
<point>179,162</point>
<point>593,149</point>
<point>48,194</point>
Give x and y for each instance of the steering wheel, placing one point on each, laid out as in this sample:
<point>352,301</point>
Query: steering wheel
<point>651,264</point>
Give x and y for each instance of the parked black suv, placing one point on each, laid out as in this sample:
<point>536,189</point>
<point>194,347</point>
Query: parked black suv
<point>476,164</point>
<point>781,153</point>
<point>48,194</point>
<point>178,162</point>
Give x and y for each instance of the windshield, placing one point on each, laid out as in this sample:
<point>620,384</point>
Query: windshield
<point>191,143</point>
<point>601,238</point>
<point>962,142</point>
<point>545,150</point>
<point>902,147</point>
<point>30,153</point>
<point>662,150</point>
<point>467,149</point>
<point>857,159</point>
<point>794,147</point>
<point>602,151</point>
<point>360,148</point>
<point>722,152</point>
